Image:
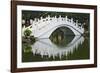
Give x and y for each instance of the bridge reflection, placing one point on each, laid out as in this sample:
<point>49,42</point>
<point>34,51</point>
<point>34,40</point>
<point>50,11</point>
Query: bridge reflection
<point>45,47</point>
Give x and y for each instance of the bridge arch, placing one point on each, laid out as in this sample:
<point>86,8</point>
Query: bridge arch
<point>50,31</point>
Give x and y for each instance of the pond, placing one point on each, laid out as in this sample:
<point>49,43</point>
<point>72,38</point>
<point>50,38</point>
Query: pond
<point>57,49</point>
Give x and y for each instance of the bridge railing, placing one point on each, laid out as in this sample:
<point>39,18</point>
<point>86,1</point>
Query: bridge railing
<point>45,25</point>
<point>43,22</point>
<point>39,24</point>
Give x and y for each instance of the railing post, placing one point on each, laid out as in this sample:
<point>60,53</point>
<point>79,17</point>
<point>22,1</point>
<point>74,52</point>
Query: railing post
<point>66,18</point>
<point>41,18</point>
<point>76,23</point>
<point>72,20</point>
<point>48,17</point>
<point>55,18</point>
<point>31,21</point>
<point>23,21</point>
<point>59,18</point>
<point>38,20</point>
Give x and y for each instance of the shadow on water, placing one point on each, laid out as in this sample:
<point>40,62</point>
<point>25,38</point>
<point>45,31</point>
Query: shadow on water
<point>62,45</point>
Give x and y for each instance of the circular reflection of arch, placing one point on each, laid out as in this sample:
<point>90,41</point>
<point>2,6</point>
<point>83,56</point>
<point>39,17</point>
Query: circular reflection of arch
<point>62,36</point>
<point>45,47</point>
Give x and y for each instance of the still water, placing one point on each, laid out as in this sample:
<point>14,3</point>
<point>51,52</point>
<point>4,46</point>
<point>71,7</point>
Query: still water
<point>57,49</point>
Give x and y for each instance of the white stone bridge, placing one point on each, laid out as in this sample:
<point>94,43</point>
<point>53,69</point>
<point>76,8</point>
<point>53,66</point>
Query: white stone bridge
<point>44,27</point>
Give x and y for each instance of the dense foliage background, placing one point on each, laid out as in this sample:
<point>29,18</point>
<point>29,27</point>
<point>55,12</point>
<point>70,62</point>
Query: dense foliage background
<point>81,17</point>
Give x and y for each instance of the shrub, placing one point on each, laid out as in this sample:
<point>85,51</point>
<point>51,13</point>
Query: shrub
<point>27,32</point>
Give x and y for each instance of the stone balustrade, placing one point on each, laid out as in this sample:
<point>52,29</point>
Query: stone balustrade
<point>41,25</point>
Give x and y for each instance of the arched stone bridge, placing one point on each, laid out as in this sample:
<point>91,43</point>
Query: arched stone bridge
<point>44,27</point>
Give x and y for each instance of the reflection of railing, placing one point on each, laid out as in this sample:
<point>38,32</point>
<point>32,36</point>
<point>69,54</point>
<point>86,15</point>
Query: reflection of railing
<point>45,47</point>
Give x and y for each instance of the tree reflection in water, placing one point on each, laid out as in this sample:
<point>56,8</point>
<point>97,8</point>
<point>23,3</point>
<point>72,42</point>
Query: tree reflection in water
<point>62,36</point>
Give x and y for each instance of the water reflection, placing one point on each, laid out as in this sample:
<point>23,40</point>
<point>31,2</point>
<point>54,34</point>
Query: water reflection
<point>62,42</point>
<point>61,45</point>
<point>48,48</point>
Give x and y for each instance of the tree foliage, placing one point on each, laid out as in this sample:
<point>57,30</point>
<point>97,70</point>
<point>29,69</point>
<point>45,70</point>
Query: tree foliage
<point>27,32</point>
